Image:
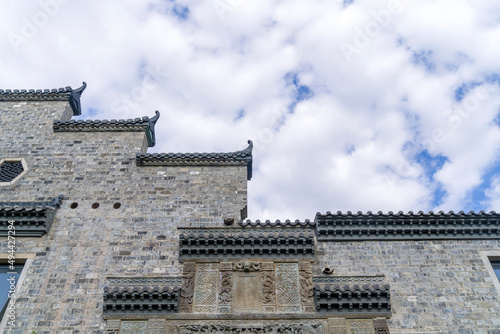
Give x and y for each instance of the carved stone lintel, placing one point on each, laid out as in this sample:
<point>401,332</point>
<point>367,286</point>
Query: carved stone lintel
<point>247,266</point>
<point>187,290</point>
<point>309,328</point>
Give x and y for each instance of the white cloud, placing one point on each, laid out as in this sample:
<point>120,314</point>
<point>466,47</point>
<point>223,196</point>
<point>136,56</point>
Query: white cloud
<point>342,149</point>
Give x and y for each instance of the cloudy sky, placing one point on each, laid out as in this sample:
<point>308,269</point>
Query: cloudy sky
<point>360,105</point>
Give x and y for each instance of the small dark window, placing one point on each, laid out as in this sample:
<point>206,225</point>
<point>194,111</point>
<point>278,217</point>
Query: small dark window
<point>9,170</point>
<point>496,268</point>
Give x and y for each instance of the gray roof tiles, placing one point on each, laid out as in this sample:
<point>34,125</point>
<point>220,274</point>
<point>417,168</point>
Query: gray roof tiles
<point>238,158</point>
<point>57,94</point>
<point>96,125</point>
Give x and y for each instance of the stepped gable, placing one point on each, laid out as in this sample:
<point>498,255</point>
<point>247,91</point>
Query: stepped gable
<point>238,158</point>
<point>138,124</point>
<point>30,219</point>
<point>407,226</point>
<point>58,94</point>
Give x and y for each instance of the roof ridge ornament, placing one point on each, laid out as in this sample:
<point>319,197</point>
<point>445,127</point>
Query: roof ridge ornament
<point>151,129</point>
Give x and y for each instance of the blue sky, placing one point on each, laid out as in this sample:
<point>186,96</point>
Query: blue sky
<point>351,105</point>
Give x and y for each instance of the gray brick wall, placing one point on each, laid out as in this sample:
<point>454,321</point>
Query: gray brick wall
<point>436,286</point>
<point>63,288</point>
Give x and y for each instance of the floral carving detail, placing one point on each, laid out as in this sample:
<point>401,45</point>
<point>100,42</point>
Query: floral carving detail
<point>315,328</point>
<point>306,287</point>
<point>225,287</point>
<point>268,290</point>
<point>187,290</point>
<point>247,266</point>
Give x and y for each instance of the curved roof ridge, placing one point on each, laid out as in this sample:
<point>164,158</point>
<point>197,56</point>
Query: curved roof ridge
<point>137,124</point>
<point>243,157</point>
<point>56,94</point>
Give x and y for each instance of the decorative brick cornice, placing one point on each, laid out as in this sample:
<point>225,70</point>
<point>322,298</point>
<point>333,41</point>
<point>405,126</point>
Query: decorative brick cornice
<point>268,223</point>
<point>137,300</point>
<point>243,244</point>
<point>146,124</point>
<point>348,279</point>
<point>30,219</point>
<point>150,281</point>
<point>410,226</point>
<point>239,158</point>
<point>61,94</point>
<point>368,298</point>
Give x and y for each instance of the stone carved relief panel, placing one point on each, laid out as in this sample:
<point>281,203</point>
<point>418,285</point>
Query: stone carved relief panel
<point>133,327</point>
<point>337,326</point>
<point>247,288</point>
<point>287,287</point>
<point>284,328</point>
<point>306,287</point>
<point>187,290</point>
<point>360,327</point>
<point>206,288</point>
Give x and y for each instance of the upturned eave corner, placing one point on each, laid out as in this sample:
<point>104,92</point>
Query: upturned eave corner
<point>74,100</point>
<point>151,136</point>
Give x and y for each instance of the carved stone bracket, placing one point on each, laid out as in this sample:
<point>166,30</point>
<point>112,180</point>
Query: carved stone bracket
<point>290,326</point>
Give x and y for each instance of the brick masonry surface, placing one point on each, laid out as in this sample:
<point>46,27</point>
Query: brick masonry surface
<point>63,289</point>
<point>436,286</point>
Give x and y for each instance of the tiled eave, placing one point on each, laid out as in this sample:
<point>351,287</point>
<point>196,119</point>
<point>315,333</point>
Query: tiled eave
<point>280,243</point>
<point>371,299</point>
<point>30,219</point>
<point>410,226</point>
<point>276,223</point>
<point>59,94</point>
<point>137,300</point>
<point>239,158</point>
<point>146,124</point>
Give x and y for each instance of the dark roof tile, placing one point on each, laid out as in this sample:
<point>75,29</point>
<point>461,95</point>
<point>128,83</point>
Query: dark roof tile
<point>61,94</point>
